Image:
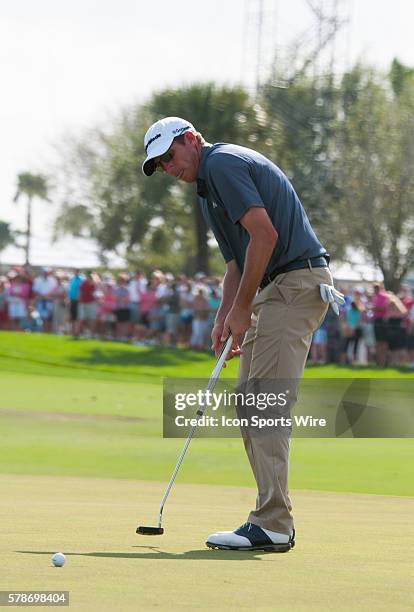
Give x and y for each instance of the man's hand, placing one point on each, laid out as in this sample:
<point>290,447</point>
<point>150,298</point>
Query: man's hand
<point>216,335</point>
<point>217,343</point>
<point>236,323</point>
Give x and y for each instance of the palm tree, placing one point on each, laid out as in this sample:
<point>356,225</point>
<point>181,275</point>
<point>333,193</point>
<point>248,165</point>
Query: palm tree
<point>31,185</point>
<point>6,235</point>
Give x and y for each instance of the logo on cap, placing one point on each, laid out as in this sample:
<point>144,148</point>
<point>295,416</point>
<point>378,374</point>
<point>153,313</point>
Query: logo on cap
<point>182,129</point>
<point>151,140</point>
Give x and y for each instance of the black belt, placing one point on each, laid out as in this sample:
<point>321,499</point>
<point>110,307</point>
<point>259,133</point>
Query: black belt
<point>299,264</point>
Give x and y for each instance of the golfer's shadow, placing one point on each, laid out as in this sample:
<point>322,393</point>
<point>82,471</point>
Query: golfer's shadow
<point>156,553</point>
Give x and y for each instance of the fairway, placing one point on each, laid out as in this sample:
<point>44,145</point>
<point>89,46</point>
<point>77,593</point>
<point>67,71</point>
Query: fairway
<point>83,463</point>
<point>341,560</point>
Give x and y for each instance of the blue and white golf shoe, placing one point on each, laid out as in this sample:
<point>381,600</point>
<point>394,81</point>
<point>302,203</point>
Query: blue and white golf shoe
<point>251,537</point>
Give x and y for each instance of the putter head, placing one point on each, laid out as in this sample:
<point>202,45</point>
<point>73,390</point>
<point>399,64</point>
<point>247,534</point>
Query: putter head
<point>150,530</point>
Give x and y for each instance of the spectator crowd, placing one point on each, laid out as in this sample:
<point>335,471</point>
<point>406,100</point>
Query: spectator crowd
<point>374,326</point>
<point>160,309</point>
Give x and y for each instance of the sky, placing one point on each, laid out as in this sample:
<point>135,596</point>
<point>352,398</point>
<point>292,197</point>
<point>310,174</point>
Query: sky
<point>70,64</point>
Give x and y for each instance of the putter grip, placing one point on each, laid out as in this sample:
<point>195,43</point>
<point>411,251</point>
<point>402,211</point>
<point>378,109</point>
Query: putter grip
<point>222,357</point>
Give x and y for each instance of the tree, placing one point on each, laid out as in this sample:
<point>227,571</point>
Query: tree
<point>400,76</point>
<point>302,120</point>
<point>6,235</point>
<point>30,185</point>
<point>373,169</point>
<point>105,196</point>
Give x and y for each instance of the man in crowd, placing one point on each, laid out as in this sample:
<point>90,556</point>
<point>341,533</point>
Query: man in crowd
<point>276,272</point>
<point>43,287</point>
<point>73,295</point>
<point>87,304</point>
<point>379,306</point>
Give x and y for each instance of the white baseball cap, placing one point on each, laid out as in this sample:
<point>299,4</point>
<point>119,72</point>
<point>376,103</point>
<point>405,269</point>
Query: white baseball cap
<point>159,137</point>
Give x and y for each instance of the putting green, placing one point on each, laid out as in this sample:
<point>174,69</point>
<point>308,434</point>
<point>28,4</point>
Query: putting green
<point>353,551</point>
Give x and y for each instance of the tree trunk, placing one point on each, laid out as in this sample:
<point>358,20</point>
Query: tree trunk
<point>202,254</point>
<point>28,231</point>
<point>391,282</point>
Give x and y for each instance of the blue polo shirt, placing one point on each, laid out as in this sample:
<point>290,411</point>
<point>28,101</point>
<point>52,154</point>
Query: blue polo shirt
<point>232,179</point>
<point>74,287</point>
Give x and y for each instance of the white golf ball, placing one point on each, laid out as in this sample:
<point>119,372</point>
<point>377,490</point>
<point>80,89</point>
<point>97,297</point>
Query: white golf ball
<point>58,559</point>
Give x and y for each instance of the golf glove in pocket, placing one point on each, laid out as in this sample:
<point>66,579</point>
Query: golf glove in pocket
<point>332,297</point>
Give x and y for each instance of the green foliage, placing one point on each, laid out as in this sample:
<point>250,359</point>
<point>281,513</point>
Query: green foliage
<point>220,113</point>
<point>75,220</point>
<point>112,202</point>
<point>347,147</point>
<point>373,171</point>
<point>400,76</point>
<point>109,199</point>
<point>6,235</point>
<point>31,185</point>
<point>302,122</point>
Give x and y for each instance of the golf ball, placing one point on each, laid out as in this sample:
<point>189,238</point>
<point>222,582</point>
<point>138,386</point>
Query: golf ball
<point>58,559</point>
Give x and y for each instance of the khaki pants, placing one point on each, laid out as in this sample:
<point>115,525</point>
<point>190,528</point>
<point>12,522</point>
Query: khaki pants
<point>285,315</point>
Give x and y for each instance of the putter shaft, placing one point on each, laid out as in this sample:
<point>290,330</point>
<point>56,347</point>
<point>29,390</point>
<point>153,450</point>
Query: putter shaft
<point>211,384</point>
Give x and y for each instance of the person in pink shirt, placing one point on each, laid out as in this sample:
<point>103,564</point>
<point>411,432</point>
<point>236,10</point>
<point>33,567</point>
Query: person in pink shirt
<point>122,310</point>
<point>4,314</point>
<point>18,298</point>
<point>397,334</point>
<point>407,298</point>
<point>87,303</point>
<point>379,307</point>
<point>106,310</point>
<point>147,303</point>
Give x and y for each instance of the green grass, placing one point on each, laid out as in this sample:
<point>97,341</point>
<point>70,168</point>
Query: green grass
<point>62,356</point>
<point>65,357</point>
<point>340,560</point>
<point>94,409</point>
<point>82,463</point>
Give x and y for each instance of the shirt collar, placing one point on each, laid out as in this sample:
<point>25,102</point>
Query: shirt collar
<point>205,150</point>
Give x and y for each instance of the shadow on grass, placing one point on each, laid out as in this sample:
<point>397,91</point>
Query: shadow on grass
<point>155,553</point>
<point>152,356</point>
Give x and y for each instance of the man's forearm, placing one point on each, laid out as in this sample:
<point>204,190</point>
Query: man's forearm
<point>257,257</point>
<point>231,283</point>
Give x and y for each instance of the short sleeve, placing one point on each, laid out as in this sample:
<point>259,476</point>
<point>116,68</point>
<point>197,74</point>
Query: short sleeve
<point>230,178</point>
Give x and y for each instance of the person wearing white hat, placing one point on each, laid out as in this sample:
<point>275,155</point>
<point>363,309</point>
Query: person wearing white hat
<point>158,141</point>
<point>275,294</point>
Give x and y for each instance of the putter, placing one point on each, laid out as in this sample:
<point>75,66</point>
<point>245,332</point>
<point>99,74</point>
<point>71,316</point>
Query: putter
<point>211,384</point>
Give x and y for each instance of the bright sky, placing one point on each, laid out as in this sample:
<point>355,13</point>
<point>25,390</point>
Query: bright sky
<point>66,65</point>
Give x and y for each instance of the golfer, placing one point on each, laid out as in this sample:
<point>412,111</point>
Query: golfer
<point>275,293</point>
